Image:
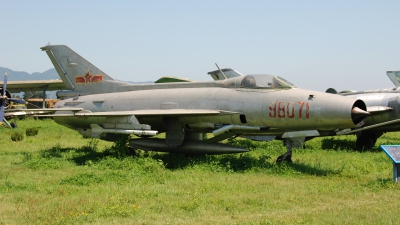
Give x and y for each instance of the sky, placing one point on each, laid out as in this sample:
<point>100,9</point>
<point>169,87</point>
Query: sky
<point>313,44</point>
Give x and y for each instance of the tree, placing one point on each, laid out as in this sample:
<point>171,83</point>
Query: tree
<point>33,94</point>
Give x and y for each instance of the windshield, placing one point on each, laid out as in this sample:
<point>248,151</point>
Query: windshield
<point>229,73</point>
<point>265,81</point>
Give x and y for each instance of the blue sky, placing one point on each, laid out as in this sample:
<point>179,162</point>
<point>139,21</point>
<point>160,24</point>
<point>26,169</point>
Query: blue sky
<point>313,44</point>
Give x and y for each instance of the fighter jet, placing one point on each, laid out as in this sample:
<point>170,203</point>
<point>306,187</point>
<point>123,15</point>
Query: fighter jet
<point>257,105</point>
<point>384,106</point>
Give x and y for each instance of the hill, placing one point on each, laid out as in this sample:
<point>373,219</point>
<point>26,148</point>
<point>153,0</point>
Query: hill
<point>49,74</point>
<point>21,75</point>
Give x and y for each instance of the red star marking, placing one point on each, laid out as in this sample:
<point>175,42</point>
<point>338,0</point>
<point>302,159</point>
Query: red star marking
<point>88,77</point>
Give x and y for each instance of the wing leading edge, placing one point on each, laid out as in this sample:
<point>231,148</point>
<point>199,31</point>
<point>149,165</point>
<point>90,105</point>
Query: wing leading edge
<point>34,85</point>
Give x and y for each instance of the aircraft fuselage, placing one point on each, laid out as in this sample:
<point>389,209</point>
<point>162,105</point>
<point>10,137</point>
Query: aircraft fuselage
<point>279,110</point>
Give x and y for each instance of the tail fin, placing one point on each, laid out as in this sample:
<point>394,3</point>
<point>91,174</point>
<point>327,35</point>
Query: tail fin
<point>77,73</point>
<point>394,76</point>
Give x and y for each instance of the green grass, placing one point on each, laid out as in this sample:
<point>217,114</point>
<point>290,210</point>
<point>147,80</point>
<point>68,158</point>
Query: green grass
<point>58,177</point>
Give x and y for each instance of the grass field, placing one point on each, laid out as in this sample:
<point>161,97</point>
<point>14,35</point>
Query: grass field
<point>58,177</point>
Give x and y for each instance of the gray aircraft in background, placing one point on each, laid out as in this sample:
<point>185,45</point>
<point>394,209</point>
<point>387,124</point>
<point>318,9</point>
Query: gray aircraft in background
<point>231,105</point>
<point>384,106</point>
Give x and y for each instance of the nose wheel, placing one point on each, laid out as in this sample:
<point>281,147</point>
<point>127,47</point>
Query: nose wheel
<point>287,157</point>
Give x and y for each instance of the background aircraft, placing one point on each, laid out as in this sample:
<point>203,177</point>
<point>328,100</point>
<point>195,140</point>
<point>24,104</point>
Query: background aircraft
<point>5,100</point>
<point>257,105</point>
<point>34,85</point>
<point>8,87</point>
<point>384,105</point>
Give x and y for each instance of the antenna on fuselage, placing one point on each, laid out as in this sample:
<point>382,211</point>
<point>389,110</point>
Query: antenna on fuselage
<point>221,71</point>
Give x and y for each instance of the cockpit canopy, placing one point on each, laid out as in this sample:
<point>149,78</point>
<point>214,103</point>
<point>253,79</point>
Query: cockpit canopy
<point>265,81</point>
<point>232,78</point>
<point>258,81</point>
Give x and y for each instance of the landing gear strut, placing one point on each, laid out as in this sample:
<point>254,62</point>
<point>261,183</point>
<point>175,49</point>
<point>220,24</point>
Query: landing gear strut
<point>290,143</point>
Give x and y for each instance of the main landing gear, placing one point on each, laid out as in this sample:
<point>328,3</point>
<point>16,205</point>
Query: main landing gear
<point>367,140</point>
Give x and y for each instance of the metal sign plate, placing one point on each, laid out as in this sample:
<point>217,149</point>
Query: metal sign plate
<point>393,151</point>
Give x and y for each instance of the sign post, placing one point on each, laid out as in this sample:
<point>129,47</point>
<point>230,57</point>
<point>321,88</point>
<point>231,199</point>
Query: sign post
<point>393,151</point>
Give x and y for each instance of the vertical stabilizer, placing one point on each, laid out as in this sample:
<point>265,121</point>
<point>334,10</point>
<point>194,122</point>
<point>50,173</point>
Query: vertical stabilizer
<point>394,76</point>
<point>77,73</point>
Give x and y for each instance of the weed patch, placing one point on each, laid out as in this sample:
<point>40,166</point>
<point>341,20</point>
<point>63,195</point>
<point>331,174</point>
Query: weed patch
<point>119,205</point>
<point>32,131</point>
<point>17,135</point>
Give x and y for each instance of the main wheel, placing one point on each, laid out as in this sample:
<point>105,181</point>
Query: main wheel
<point>13,125</point>
<point>366,140</point>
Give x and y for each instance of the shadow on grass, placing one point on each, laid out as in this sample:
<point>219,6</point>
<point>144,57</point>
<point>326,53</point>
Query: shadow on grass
<point>312,170</point>
<point>337,144</point>
<point>228,162</point>
<point>347,145</point>
<point>241,163</point>
<point>80,156</point>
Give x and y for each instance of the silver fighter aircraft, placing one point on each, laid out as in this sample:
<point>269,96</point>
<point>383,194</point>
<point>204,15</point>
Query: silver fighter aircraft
<point>231,105</point>
<point>384,106</point>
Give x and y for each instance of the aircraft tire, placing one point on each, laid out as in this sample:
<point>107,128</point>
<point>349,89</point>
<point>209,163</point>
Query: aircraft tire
<point>14,125</point>
<point>284,158</point>
<point>131,151</point>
